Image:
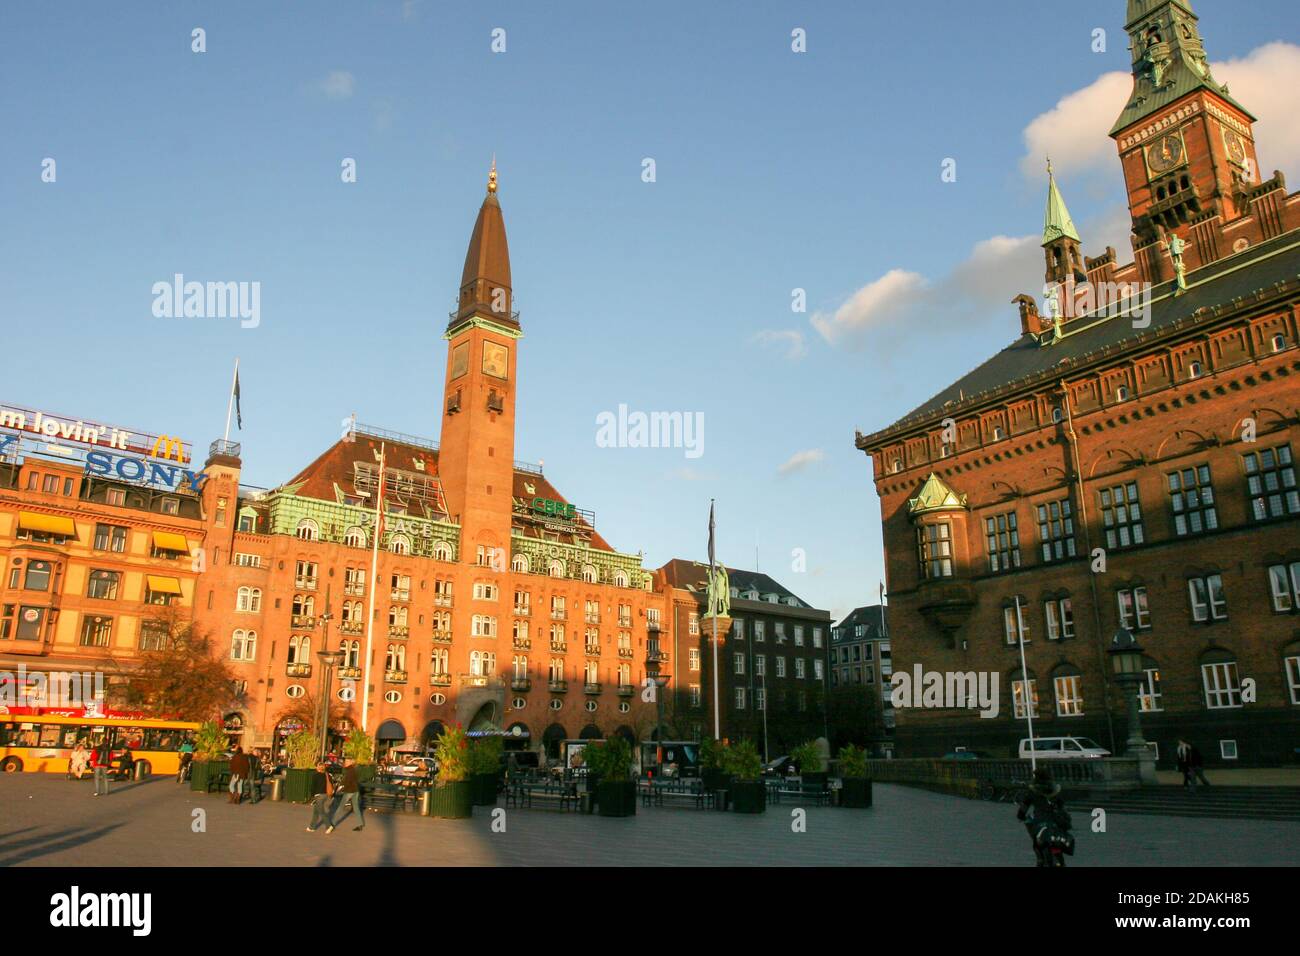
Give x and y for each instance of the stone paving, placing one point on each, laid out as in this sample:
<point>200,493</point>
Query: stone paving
<point>47,820</point>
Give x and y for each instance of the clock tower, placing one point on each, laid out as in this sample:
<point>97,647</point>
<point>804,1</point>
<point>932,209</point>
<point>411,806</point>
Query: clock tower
<point>476,453</point>
<point>1186,146</point>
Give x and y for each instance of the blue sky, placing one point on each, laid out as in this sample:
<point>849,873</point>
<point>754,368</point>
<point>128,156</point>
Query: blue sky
<point>775,171</point>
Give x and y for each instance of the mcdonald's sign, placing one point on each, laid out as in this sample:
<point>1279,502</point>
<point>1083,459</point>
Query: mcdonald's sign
<point>167,446</point>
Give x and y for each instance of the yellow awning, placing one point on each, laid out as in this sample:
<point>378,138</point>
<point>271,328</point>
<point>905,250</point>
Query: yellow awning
<point>50,524</point>
<point>170,541</point>
<point>161,585</point>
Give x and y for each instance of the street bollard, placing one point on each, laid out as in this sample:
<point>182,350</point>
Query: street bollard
<point>277,788</point>
<point>140,770</point>
<point>426,802</point>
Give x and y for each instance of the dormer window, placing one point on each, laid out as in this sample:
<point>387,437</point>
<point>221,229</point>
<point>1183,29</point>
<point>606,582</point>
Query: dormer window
<point>1279,343</point>
<point>1121,393</point>
<point>1057,414</point>
<point>1194,370</point>
<point>998,434</point>
<point>897,466</point>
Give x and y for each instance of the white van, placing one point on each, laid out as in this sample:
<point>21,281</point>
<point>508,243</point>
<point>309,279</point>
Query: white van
<point>1058,748</point>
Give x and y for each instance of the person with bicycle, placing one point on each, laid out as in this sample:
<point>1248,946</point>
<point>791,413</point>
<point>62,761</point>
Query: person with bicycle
<point>1043,812</point>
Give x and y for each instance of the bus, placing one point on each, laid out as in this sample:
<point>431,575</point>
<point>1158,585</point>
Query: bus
<point>44,743</point>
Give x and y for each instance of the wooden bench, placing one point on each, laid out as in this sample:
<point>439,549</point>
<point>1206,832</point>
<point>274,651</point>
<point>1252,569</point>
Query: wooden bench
<point>525,795</point>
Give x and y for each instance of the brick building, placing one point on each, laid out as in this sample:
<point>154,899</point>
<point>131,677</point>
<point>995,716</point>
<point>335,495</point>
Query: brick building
<point>491,600</point>
<point>772,660</point>
<point>1117,466</point>
<point>99,526</point>
<point>861,664</point>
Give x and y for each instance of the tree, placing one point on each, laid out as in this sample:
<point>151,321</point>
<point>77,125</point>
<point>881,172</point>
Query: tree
<point>182,678</point>
<point>852,715</point>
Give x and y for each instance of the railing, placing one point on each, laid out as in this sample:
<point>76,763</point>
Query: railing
<point>395,677</point>
<point>399,631</point>
<point>626,652</point>
<point>442,600</point>
<point>440,680</point>
<point>520,683</point>
<point>442,637</point>
<point>591,688</point>
<point>399,595</point>
<point>656,657</point>
<point>624,622</point>
<point>302,622</point>
<point>591,618</point>
<point>523,610</point>
<point>400,437</point>
<point>305,583</point>
<point>351,627</point>
<point>528,467</point>
<point>1085,773</point>
<point>298,670</point>
<point>592,650</point>
<point>557,615</point>
<point>355,590</point>
<point>350,673</point>
<point>522,643</point>
<point>559,646</point>
<point>626,690</point>
<point>558,686</point>
<point>231,449</point>
<point>653,626</point>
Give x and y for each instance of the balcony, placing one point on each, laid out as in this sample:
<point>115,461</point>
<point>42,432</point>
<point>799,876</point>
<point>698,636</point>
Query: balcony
<point>656,657</point>
<point>395,677</point>
<point>522,610</point>
<point>591,618</point>
<point>590,688</point>
<point>442,600</point>
<point>298,670</point>
<point>626,653</point>
<point>353,589</point>
<point>302,622</point>
<point>349,673</point>
<point>442,637</point>
<point>351,627</point>
<point>624,622</point>
<point>653,626</point>
<point>304,583</point>
<point>399,595</point>
<point>440,680</point>
<point>523,643</point>
<point>229,449</point>
<point>592,650</point>
<point>521,684</point>
<point>626,690</point>
<point>558,615</point>
<point>399,631</point>
<point>558,686</point>
<point>559,646</point>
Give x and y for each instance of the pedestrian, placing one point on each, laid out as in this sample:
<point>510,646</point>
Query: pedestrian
<point>124,764</point>
<point>79,761</point>
<point>253,781</point>
<point>1042,810</point>
<point>1191,763</point>
<point>187,757</point>
<point>100,759</point>
<point>322,795</point>
<point>350,794</point>
<point>238,771</point>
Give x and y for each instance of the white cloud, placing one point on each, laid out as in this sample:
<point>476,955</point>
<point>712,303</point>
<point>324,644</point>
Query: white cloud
<point>801,460</point>
<point>884,301</point>
<point>1265,82</point>
<point>338,85</point>
<point>790,339</point>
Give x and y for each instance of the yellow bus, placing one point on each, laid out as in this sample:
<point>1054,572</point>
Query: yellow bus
<point>44,743</point>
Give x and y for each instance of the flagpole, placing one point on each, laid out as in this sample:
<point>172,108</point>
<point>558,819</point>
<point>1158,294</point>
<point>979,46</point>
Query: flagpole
<point>230,405</point>
<point>1024,682</point>
<point>374,587</point>
<point>717,708</point>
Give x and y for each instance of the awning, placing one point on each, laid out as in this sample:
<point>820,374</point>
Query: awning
<point>49,524</point>
<point>170,541</point>
<point>390,730</point>
<point>161,585</point>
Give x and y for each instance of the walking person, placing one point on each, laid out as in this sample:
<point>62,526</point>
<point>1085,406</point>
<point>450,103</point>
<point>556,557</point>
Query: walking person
<point>238,771</point>
<point>351,796</point>
<point>1191,763</point>
<point>100,759</point>
<point>253,781</point>
<point>322,795</point>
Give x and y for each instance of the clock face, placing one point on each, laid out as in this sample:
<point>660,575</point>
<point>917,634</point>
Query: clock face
<point>1165,153</point>
<point>496,359</point>
<point>1235,147</point>
<point>460,360</point>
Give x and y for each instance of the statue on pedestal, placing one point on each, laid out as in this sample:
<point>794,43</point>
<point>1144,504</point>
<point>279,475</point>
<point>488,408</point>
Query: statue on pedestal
<point>719,593</point>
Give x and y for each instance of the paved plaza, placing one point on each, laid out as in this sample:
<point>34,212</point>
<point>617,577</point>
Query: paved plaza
<point>46,820</point>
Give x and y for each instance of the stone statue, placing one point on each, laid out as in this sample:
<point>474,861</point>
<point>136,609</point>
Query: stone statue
<point>719,593</point>
<point>1052,302</point>
<point>1176,247</point>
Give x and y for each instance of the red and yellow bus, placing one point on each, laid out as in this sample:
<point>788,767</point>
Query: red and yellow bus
<point>44,743</point>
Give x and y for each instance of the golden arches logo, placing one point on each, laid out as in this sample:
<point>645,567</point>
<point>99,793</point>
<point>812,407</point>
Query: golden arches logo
<point>167,446</point>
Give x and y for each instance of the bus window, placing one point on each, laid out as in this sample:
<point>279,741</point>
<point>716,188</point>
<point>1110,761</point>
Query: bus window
<point>70,736</point>
<point>132,737</point>
<point>8,734</point>
<point>28,735</point>
<point>51,735</point>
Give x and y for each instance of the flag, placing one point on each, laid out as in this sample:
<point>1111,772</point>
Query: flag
<point>239,415</point>
<point>711,558</point>
<point>882,592</point>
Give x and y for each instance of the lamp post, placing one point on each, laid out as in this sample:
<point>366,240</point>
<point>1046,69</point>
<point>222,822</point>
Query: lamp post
<point>661,687</point>
<point>328,661</point>
<point>1126,658</point>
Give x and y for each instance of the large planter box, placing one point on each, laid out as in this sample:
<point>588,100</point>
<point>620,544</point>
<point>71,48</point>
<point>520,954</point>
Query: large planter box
<point>748,796</point>
<point>616,798</point>
<point>204,776</point>
<point>297,785</point>
<point>716,779</point>
<point>452,801</point>
<point>819,779</point>
<point>483,789</point>
<point>856,792</point>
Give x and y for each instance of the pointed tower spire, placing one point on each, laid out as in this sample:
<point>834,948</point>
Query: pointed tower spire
<point>1056,220</point>
<point>1061,243</point>
<point>485,282</point>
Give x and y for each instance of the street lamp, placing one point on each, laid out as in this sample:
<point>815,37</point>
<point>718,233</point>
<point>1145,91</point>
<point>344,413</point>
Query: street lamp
<point>328,661</point>
<point>661,685</point>
<point>1129,666</point>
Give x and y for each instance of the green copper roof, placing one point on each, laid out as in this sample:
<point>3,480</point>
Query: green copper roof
<point>1056,221</point>
<point>935,495</point>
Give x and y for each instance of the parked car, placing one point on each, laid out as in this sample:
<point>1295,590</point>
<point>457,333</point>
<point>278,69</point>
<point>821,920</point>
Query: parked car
<point>780,767</point>
<point>417,767</point>
<point>1059,748</point>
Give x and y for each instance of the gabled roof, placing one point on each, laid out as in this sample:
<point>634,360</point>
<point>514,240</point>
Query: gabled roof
<point>873,617</point>
<point>935,495</point>
<point>693,576</point>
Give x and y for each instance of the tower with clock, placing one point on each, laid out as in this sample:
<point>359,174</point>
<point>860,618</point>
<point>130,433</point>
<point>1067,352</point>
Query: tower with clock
<point>476,454</point>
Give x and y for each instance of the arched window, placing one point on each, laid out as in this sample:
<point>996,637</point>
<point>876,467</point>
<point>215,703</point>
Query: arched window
<point>438,660</point>
<point>351,653</point>
<point>299,649</point>
<point>355,538</point>
<point>1279,343</point>
<point>249,600</point>
<point>1194,370</point>
<point>395,660</point>
<point>519,563</point>
<point>243,645</point>
<point>397,615</point>
<point>399,544</point>
<point>1121,393</point>
<point>589,574</point>
<point>620,578</point>
<point>304,605</point>
<point>308,530</point>
<point>442,551</point>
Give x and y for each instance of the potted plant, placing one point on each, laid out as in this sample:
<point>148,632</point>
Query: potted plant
<point>748,792</point>
<point>610,764</point>
<point>808,758</point>
<point>302,748</point>
<point>451,797</point>
<point>360,748</point>
<point>713,774</point>
<point>484,770</point>
<point>855,790</point>
<point>209,756</point>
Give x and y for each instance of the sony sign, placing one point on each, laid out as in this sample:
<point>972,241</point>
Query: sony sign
<point>139,471</point>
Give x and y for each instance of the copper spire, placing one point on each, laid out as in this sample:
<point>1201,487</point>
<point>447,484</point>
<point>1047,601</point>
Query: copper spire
<point>485,281</point>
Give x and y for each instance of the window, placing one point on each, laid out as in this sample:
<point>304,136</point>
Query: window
<point>115,497</point>
<point>1270,480</point>
<point>36,578</point>
<point>694,626</point>
<point>1060,619</point>
<point>693,656</point>
<point>171,506</point>
<point>523,603</point>
<point>934,550</point>
<point>304,605</point>
<point>620,578</point>
<point>1194,370</point>
<point>798,635</point>
<point>1222,687</point>
<point>438,660</point>
<point>1228,749</point>
<point>817,637</point>
<point>153,635</point>
<point>1069,695</point>
<point>399,544</point>
<point>103,585</point>
<point>1014,628</point>
<point>1121,393</point>
<point>556,569</point>
<point>299,649</point>
<point>1284,582</point>
<point>759,631</point>
<point>248,560</point>
<point>1133,611</point>
<point>1149,689</point>
<point>799,665</point>
<point>1208,601</point>
<point>110,537</point>
<point>591,640</point>
<point>780,632</point>
<point>760,665</point>
<point>818,671</point>
<point>1056,530</point>
<point>482,663</point>
<point>307,530</point>
<point>96,631</point>
<point>780,666</point>
<point>589,575</point>
<point>738,663</point>
<point>442,551</point>
<point>395,659</point>
<point>558,612</point>
<point>1003,542</point>
<point>1279,343</point>
<point>760,698</point>
<point>1192,498</point>
<point>695,695</point>
<point>1292,667</point>
<point>1121,515</point>
<point>555,671</point>
<point>243,645</point>
<point>249,600</point>
<point>740,698</point>
<point>485,591</point>
<point>484,625</point>
<point>354,538</point>
<point>1020,694</point>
